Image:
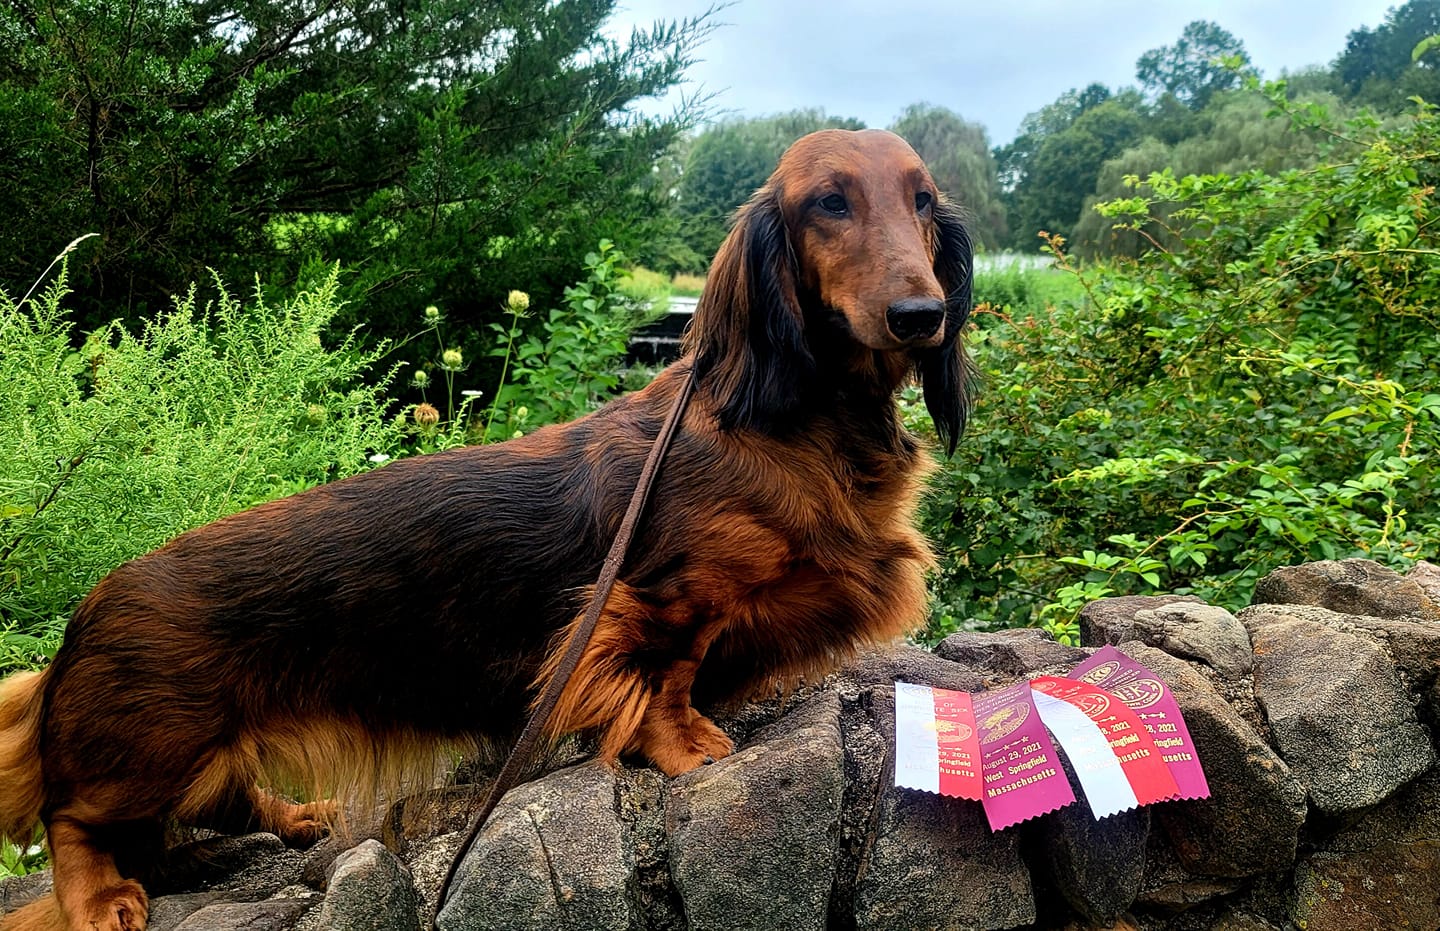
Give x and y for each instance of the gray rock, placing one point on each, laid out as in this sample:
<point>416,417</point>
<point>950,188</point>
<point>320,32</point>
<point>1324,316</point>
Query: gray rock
<point>935,863</point>
<point>248,867</point>
<point>910,664</point>
<point>269,915</point>
<point>1242,922</point>
<point>1427,576</point>
<point>1096,866</point>
<point>370,890</point>
<point>1168,887</point>
<point>640,799</point>
<point>553,855</point>
<point>1349,586</point>
<point>1414,646</point>
<point>1383,872</point>
<point>1251,822</point>
<point>1333,701</point>
<point>17,891</point>
<point>422,816</point>
<point>753,837</point>
<point>1201,632</point>
<point>1109,620</point>
<point>167,912</point>
<point>924,861</point>
<point>1017,652</point>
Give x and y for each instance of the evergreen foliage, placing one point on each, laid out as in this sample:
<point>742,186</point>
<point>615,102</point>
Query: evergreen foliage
<point>441,150</point>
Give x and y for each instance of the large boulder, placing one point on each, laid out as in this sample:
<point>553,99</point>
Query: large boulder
<point>928,861</point>
<point>1312,713</point>
<point>1111,620</point>
<point>753,837</point>
<point>1349,586</point>
<point>1381,872</point>
<point>369,890</point>
<point>1337,710</point>
<point>1251,822</point>
<point>1020,652</point>
<point>935,863</point>
<point>553,855</point>
<point>1097,865</point>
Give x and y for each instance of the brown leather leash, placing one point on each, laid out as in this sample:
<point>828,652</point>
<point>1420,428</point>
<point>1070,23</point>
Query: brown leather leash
<point>524,751</point>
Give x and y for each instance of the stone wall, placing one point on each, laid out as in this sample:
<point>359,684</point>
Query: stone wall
<point>1313,711</point>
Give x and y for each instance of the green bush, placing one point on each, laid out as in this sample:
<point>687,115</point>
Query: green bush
<point>1263,394</point>
<point>576,362</point>
<point>108,450</point>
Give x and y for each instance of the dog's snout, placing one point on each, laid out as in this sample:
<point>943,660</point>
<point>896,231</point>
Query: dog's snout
<point>915,317</point>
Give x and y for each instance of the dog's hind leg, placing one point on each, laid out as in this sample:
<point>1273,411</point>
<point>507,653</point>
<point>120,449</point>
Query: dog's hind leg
<point>91,893</point>
<point>225,796</point>
<point>246,808</point>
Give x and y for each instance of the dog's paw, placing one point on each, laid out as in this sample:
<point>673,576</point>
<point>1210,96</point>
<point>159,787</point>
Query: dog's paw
<point>303,825</point>
<point>694,745</point>
<point>123,907</point>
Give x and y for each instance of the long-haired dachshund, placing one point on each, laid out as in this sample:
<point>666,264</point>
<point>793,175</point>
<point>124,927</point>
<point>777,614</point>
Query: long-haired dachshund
<point>331,639</point>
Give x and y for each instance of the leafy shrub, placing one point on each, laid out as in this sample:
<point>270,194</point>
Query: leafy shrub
<point>109,450</point>
<point>17,860</point>
<point>578,362</point>
<point>1263,394</point>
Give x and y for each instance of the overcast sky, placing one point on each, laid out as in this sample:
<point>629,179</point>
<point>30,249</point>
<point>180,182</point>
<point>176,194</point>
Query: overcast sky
<point>991,62</point>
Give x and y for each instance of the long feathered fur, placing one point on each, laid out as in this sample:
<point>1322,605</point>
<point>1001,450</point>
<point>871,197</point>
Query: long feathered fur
<point>336,641</point>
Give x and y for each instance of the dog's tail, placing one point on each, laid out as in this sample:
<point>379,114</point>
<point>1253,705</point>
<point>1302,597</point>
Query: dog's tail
<point>22,790</point>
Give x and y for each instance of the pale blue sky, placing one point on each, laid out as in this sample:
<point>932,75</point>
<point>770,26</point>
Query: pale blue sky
<point>991,62</point>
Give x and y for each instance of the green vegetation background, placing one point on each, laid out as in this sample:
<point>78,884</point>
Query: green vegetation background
<point>330,237</point>
<point>1223,362</point>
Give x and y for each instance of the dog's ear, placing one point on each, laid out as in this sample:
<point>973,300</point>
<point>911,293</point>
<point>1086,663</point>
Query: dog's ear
<point>748,333</point>
<point>946,374</point>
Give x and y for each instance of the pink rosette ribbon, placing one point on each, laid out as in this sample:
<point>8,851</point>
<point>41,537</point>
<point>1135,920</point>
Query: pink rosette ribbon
<point>1151,700</point>
<point>1019,764</point>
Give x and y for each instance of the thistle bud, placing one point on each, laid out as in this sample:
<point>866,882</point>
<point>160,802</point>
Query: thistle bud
<point>452,359</point>
<point>426,416</point>
<point>421,378</point>
<point>518,301</point>
<point>432,313</point>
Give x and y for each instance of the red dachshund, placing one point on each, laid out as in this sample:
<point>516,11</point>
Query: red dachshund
<point>335,639</point>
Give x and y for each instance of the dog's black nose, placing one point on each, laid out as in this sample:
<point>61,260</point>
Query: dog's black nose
<point>915,317</point>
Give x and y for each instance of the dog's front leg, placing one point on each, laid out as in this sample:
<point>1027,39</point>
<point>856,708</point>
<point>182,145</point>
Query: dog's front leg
<point>632,685</point>
<point>673,735</point>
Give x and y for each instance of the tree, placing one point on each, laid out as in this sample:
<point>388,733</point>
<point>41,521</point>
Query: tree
<point>1190,69</point>
<point>1378,67</point>
<point>1237,138</point>
<point>1015,162</point>
<point>1013,159</point>
<point>728,161</point>
<point>443,150</point>
<point>1063,168</point>
<point>958,155</point>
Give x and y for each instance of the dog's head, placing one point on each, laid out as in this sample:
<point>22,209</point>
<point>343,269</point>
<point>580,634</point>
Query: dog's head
<point>848,260</point>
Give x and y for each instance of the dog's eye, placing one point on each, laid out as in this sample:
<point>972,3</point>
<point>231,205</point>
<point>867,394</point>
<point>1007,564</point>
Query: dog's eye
<point>833,203</point>
<point>923,200</point>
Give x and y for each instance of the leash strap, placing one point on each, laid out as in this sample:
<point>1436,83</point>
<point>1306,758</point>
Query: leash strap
<point>524,751</point>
